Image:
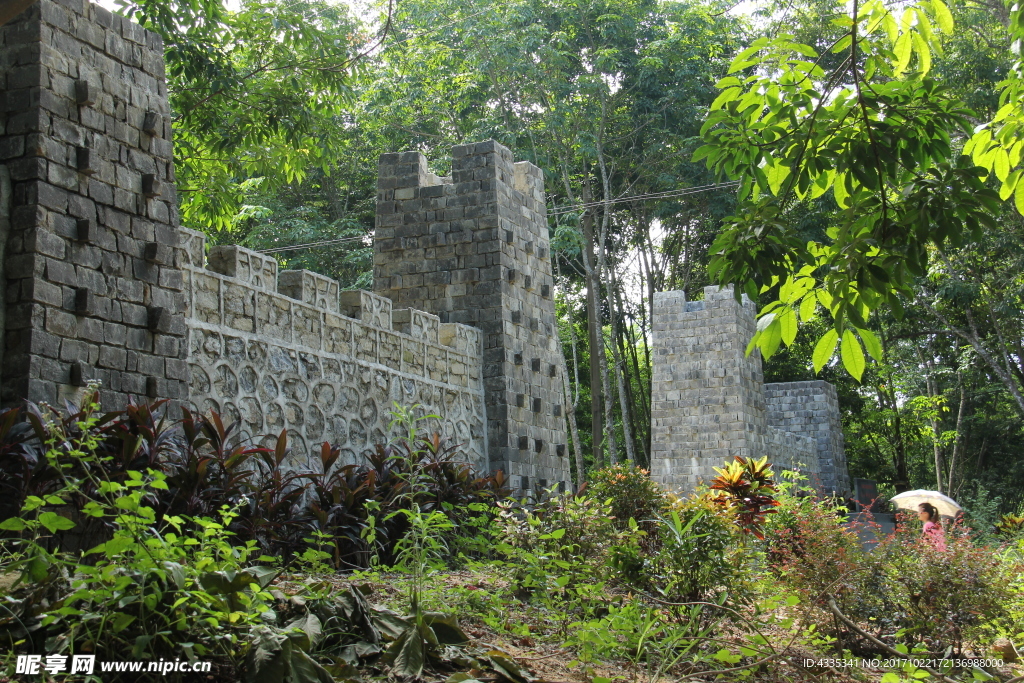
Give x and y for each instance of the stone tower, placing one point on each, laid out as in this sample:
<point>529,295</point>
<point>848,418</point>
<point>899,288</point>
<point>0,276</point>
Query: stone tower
<point>710,402</point>
<point>473,249</point>
<point>89,228</point>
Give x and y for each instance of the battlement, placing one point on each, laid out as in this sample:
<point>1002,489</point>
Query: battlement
<point>288,349</point>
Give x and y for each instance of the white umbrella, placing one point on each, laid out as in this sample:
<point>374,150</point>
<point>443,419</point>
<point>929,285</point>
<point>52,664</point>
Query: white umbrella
<point>909,500</point>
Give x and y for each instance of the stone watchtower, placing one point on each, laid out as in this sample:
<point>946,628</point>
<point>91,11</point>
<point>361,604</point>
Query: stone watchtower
<point>473,249</point>
<point>710,402</point>
<point>88,217</point>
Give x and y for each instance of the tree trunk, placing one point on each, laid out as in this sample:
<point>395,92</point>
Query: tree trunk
<point>593,329</point>
<point>570,416</point>
<point>602,264</point>
<point>627,432</point>
<point>932,388</point>
<point>958,442</point>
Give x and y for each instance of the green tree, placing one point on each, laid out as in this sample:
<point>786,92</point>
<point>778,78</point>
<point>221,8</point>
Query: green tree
<point>879,132</point>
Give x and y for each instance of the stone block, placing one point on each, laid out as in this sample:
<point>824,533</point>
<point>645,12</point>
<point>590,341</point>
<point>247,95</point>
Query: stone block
<point>246,265</point>
<point>369,308</point>
<point>309,287</point>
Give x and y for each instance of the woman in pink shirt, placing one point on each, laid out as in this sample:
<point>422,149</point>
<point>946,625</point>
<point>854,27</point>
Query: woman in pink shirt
<point>933,533</point>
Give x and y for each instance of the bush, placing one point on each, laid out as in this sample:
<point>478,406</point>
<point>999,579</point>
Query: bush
<point>565,538</point>
<point>698,554</point>
<point>901,586</point>
<point>346,512</point>
<point>941,598</point>
<point>632,493</point>
<point>161,583</point>
<point>810,550</point>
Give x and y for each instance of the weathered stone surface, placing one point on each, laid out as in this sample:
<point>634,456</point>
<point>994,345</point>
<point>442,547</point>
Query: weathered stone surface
<point>709,399</point>
<point>812,409</point>
<point>472,250</point>
<point>285,358</point>
<point>70,138</point>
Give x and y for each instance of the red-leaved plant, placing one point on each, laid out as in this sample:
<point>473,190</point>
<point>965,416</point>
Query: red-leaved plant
<point>746,485</point>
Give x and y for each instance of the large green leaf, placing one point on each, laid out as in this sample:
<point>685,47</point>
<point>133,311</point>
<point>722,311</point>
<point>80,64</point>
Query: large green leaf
<point>507,668</point>
<point>445,628</point>
<point>823,349</point>
<point>55,522</point>
<point>407,654</point>
<point>852,354</point>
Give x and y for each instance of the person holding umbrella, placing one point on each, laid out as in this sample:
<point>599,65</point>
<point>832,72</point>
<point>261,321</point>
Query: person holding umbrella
<point>929,505</point>
<point>933,533</point>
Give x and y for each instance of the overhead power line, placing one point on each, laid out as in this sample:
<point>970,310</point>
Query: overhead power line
<point>309,245</point>
<point>668,194</point>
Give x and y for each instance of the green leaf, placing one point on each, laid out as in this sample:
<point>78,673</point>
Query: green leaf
<point>1018,198</point>
<point>507,668</point>
<point>770,338</point>
<point>54,522</point>
<point>788,325</point>
<point>406,655</point>
<point>13,524</point>
<point>903,51</point>
<point>121,621</point>
<point>852,355</point>
<point>777,174</point>
<point>1008,186</point>
<point>1001,164</point>
<point>809,306</point>
<point>824,349</point>
<point>943,17</point>
<point>446,629</point>
<point>924,54</point>
<point>842,195</point>
<point>871,343</point>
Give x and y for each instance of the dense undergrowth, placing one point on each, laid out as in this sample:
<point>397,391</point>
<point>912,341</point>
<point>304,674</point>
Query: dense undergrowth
<point>130,538</point>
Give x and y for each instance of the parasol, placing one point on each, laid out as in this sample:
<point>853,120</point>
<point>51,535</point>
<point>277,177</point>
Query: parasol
<point>909,500</point>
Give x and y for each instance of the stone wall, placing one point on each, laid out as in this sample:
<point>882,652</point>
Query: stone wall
<point>287,350</point>
<point>473,249</point>
<point>99,284</point>
<point>708,396</point>
<point>90,289</point>
<point>812,409</point>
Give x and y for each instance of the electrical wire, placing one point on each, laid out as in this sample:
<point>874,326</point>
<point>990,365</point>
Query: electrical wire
<point>310,245</point>
<point>668,194</point>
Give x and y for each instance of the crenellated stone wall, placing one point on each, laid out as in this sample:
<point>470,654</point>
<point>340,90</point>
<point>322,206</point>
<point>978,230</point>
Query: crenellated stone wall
<point>709,400</point>
<point>99,282</point>
<point>287,350</point>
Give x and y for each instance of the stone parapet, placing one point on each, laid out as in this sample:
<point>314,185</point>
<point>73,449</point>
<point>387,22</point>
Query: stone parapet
<point>812,409</point>
<point>324,365</point>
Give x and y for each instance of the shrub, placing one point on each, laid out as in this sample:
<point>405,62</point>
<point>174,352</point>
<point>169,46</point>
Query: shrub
<point>560,541</point>
<point>746,486</point>
<point>810,550</point>
<point>632,493</point>
<point>941,598</point>
<point>902,585</point>
<point>349,510</point>
<point>698,554</point>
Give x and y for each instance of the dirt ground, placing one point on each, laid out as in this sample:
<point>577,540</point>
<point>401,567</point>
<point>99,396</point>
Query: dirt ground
<point>536,648</point>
